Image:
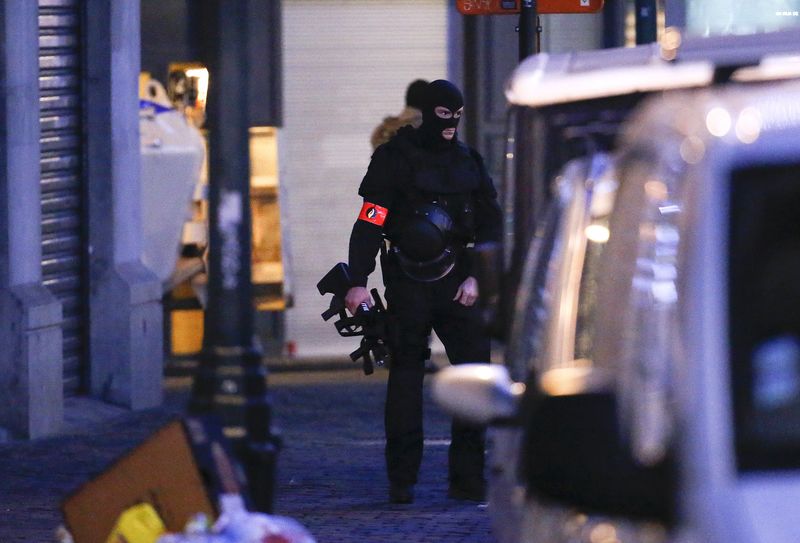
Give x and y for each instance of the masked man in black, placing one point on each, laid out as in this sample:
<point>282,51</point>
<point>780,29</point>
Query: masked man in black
<point>426,197</point>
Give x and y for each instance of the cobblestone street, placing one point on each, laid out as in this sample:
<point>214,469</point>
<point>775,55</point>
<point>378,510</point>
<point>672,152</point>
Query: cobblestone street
<point>330,471</point>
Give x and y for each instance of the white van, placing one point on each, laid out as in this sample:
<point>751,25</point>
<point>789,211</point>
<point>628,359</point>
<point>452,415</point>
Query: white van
<point>660,383</point>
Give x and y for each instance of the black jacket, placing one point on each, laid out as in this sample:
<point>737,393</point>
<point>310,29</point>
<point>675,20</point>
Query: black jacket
<point>402,173</point>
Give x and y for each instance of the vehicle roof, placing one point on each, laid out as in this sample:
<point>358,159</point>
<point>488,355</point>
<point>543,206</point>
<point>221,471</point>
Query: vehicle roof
<point>548,79</point>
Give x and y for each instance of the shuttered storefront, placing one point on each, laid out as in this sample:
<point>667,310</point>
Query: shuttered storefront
<point>63,261</point>
<point>346,66</point>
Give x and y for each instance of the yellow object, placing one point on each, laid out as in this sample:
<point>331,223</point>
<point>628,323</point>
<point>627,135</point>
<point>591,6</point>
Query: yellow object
<point>138,524</point>
<point>187,331</point>
<point>144,80</point>
<point>267,260</point>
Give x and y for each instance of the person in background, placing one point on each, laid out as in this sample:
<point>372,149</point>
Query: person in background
<point>411,115</point>
<point>426,197</point>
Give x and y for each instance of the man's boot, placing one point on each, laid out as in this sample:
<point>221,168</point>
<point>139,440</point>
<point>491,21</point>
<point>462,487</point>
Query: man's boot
<point>401,493</point>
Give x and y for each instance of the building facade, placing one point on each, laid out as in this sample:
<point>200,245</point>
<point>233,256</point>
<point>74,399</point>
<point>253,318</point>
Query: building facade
<point>346,67</point>
<point>80,315</point>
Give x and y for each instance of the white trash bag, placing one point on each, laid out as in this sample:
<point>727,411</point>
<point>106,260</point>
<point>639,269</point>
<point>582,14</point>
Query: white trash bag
<point>238,525</point>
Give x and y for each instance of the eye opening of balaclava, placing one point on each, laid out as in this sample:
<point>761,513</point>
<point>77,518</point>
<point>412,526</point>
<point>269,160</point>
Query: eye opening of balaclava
<point>445,94</point>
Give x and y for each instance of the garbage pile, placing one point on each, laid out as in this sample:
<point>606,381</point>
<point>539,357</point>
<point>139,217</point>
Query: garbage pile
<point>141,524</point>
<point>235,524</point>
<point>181,485</point>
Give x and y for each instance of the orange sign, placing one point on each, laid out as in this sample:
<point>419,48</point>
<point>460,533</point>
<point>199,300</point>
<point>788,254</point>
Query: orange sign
<point>510,7</point>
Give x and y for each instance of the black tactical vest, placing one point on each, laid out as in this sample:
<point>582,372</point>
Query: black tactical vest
<point>427,242</point>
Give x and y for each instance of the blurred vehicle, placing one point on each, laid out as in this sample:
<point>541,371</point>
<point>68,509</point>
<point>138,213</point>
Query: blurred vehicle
<point>660,383</point>
<point>712,379</point>
<point>175,209</point>
<point>172,159</point>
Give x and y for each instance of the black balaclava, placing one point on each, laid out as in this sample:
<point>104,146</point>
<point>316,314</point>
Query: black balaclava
<point>439,93</point>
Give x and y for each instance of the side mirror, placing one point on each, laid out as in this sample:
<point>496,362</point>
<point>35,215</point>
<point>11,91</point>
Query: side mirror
<point>477,393</point>
<point>573,453</point>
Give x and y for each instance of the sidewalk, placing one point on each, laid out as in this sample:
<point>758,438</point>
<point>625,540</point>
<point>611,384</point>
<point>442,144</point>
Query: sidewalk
<point>330,470</point>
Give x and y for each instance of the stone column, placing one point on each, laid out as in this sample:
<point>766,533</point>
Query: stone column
<point>126,337</point>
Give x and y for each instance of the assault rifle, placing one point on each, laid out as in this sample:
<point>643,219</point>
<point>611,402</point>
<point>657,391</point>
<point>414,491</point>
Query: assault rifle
<point>370,322</point>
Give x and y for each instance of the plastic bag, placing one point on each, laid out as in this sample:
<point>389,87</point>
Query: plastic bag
<point>238,525</point>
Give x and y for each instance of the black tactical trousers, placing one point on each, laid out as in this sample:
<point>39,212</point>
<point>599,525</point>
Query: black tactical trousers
<point>419,307</point>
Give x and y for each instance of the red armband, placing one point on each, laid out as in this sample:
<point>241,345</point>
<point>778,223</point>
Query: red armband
<point>373,213</point>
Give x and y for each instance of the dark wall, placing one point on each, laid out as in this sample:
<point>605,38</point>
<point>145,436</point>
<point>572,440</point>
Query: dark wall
<point>491,52</point>
<point>165,36</point>
<point>174,30</point>
<point>265,62</point>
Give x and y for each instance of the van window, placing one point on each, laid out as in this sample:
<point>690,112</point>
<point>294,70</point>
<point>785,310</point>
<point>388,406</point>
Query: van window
<point>558,317</point>
<point>715,17</point>
<point>764,315</point>
<point>529,308</point>
<point>539,144</point>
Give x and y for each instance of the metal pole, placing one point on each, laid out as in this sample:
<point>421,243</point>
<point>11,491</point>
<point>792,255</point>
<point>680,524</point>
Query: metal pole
<point>528,29</point>
<point>230,382</point>
<point>646,21</point>
<point>614,24</point>
<point>675,13</point>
